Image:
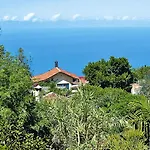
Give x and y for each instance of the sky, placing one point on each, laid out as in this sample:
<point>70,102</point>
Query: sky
<point>38,10</point>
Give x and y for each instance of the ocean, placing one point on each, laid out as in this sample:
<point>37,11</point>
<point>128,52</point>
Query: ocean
<point>73,48</point>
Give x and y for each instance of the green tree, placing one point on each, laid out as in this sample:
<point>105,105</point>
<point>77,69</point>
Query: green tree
<point>116,73</point>
<point>127,140</point>
<point>2,51</point>
<point>142,72</point>
<point>141,116</point>
<point>17,105</point>
<point>145,83</point>
<point>23,61</point>
<point>3,148</point>
<point>86,120</point>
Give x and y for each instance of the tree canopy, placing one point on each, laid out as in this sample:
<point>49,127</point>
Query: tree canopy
<point>17,114</point>
<point>116,73</point>
<point>141,72</point>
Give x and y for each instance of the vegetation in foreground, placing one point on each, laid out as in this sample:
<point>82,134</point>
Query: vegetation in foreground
<point>95,118</point>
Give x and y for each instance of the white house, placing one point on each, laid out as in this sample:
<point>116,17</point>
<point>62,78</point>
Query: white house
<point>136,88</point>
<point>63,79</point>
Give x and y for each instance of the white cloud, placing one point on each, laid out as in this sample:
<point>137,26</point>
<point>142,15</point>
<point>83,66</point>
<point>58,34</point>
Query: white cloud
<point>6,18</point>
<point>134,18</point>
<point>97,18</point>
<point>109,18</point>
<point>29,16</point>
<point>76,16</point>
<point>34,19</point>
<point>118,18</point>
<point>13,18</point>
<point>9,18</point>
<point>125,18</point>
<point>121,18</point>
<point>56,17</point>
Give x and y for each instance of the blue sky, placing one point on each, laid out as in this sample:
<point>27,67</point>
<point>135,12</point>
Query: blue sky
<point>74,9</point>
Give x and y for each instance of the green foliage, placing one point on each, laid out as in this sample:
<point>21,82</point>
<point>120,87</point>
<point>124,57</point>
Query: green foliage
<point>87,119</point>
<point>145,83</point>
<point>113,99</point>
<point>3,147</point>
<point>141,117</point>
<point>93,118</point>
<point>17,115</point>
<point>52,88</point>
<point>2,51</point>
<point>116,73</point>
<point>128,140</point>
<point>142,72</point>
<point>15,83</point>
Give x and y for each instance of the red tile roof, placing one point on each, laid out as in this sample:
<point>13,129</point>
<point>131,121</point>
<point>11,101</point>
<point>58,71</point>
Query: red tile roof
<point>83,80</point>
<point>51,73</point>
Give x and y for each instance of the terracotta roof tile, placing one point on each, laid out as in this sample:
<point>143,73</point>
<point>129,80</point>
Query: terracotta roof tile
<point>51,73</point>
<point>70,74</point>
<point>83,80</point>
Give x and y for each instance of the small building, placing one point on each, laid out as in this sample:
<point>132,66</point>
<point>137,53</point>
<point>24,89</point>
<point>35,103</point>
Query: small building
<point>136,88</point>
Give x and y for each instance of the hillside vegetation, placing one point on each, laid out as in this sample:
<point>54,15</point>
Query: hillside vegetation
<point>95,118</point>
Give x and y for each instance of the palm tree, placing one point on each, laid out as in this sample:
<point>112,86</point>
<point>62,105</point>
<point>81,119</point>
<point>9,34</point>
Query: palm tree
<point>142,116</point>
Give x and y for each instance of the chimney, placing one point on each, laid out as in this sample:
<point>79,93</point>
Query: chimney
<point>56,63</point>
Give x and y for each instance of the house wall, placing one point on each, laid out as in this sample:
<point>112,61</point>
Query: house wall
<point>60,76</point>
<point>136,89</point>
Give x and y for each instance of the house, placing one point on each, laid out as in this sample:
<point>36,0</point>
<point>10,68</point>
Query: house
<point>136,88</point>
<point>63,79</point>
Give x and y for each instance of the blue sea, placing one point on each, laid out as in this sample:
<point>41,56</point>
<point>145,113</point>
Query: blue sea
<point>73,48</point>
